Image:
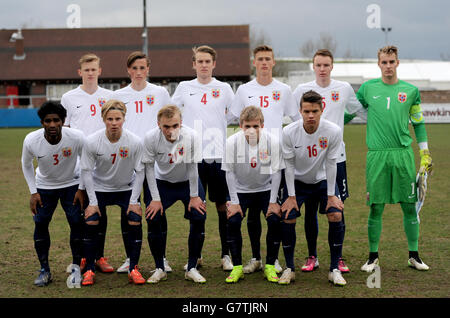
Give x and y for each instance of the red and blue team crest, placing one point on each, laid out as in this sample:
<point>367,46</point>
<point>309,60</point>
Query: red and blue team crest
<point>123,152</point>
<point>263,155</point>
<point>276,95</point>
<point>180,150</point>
<point>402,97</point>
<point>150,99</point>
<point>334,96</point>
<point>215,93</point>
<point>323,142</point>
<point>67,152</point>
<point>101,102</point>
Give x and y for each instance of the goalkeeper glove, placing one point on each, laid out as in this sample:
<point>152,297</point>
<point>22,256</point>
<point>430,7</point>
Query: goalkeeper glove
<point>426,163</point>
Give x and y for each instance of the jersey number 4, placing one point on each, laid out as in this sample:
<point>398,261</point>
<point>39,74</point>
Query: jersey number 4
<point>203,100</point>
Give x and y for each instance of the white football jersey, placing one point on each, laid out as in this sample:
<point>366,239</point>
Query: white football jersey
<point>56,164</point>
<point>142,107</point>
<point>253,166</point>
<point>311,150</point>
<point>204,109</point>
<point>112,164</point>
<point>275,100</point>
<point>84,111</point>
<point>336,98</point>
<point>171,159</point>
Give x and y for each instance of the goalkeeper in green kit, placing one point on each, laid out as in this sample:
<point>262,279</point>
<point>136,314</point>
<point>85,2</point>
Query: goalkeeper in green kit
<point>390,171</point>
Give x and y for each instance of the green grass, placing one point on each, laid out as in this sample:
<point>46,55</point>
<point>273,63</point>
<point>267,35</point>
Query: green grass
<point>18,261</point>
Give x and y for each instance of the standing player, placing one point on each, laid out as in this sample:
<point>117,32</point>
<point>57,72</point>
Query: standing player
<point>275,100</point>
<point>171,154</point>
<point>113,173</point>
<point>56,150</point>
<point>143,101</point>
<point>390,171</point>
<point>310,148</point>
<point>84,103</point>
<point>253,164</point>
<point>337,96</point>
<point>84,106</point>
<point>205,102</point>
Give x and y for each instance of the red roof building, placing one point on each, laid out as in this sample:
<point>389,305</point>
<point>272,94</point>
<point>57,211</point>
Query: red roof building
<point>45,61</point>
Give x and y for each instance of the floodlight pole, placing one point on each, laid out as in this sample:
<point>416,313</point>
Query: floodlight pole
<point>145,33</point>
<point>386,31</point>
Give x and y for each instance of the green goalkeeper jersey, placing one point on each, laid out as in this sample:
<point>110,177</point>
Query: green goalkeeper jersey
<point>389,110</point>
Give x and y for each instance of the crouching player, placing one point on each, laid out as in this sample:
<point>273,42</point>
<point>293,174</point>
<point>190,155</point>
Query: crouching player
<point>310,149</point>
<point>171,154</point>
<point>56,149</point>
<point>253,163</point>
<point>113,173</point>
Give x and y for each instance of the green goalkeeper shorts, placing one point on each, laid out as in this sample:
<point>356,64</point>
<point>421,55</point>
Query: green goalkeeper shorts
<point>391,176</point>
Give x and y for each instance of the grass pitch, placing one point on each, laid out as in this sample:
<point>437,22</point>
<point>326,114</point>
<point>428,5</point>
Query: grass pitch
<point>18,261</point>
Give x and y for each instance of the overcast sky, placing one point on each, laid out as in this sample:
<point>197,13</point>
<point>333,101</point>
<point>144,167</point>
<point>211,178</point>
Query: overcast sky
<point>421,29</point>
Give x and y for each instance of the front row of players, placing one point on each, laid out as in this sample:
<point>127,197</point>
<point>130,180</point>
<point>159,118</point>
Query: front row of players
<point>114,163</point>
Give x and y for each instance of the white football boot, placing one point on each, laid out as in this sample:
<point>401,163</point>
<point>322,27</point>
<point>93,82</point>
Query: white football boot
<point>253,265</point>
<point>336,278</point>
<point>227,265</point>
<point>421,266</point>
<point>195,276</point>
<point>369,267</point>
<point>158,275</point>
<point>124,267</point>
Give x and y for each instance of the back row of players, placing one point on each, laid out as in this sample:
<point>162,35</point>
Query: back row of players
<point>137,136</point>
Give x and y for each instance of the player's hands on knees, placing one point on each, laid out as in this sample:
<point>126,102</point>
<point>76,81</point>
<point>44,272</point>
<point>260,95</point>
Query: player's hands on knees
<point>335,202</point>
<point>198,204</point>
<point>136,208</point>
<point>91,210</point>
<point>153,208</point>
<point>274,208</point>
<point>35,200</point>
<point>80,197</point>
<point>289,205</point>
<point>232,209</point>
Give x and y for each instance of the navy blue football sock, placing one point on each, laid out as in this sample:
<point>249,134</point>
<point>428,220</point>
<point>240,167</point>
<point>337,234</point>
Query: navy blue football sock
<point>135,244</point>
<point>289,239</point>
<point>124,226</point>
<point>235,238</point>
<point>254,229</point>
<point>42,243</point>
<point>76,242</point>
<point>101,235</point>
<point>164,232</point>
<point>335,240</point>
<point>273,238</point>
<point>90,245</point>
<point>156,241</point>
<point>196,232</point>
<point>223,232</point>
<point>311,226</point>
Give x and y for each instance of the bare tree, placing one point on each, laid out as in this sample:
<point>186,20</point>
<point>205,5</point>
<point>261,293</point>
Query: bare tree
<point>258,37</point>
<point>325,41</point>
<point>445,56</point>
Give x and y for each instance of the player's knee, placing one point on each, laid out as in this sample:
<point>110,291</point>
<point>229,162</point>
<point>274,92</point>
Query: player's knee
<point>221,207</point>
<point>133,218</point>
<point>235,220</point>
<point>334,217</point>
<point>93,219</point>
